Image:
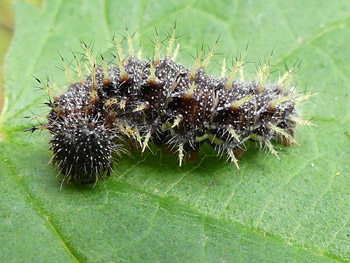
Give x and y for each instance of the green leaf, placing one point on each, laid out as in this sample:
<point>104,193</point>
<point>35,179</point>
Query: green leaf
<point>292,210</point>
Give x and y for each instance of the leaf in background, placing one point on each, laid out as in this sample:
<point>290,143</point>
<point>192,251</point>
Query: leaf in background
<point>6,31</point>
<point>6,14</point>
<point>295,209</point>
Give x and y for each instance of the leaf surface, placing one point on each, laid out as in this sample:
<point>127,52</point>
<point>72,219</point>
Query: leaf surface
<point>292,210</point>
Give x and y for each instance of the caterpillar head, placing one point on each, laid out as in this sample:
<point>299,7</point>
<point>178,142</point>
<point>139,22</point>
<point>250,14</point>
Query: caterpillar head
<point>82,149</point>
<point>81,141</point>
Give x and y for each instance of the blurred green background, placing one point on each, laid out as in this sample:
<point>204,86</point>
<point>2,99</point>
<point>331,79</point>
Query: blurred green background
<point>6,32</point>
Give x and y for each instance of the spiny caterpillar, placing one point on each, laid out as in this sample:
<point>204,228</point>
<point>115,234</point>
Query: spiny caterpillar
<point>140,101</point>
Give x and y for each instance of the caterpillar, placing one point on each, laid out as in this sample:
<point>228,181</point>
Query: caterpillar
<point>142,100</point>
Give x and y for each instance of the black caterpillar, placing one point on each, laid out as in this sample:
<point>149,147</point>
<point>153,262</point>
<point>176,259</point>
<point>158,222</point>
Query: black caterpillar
<point>162,101</point>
